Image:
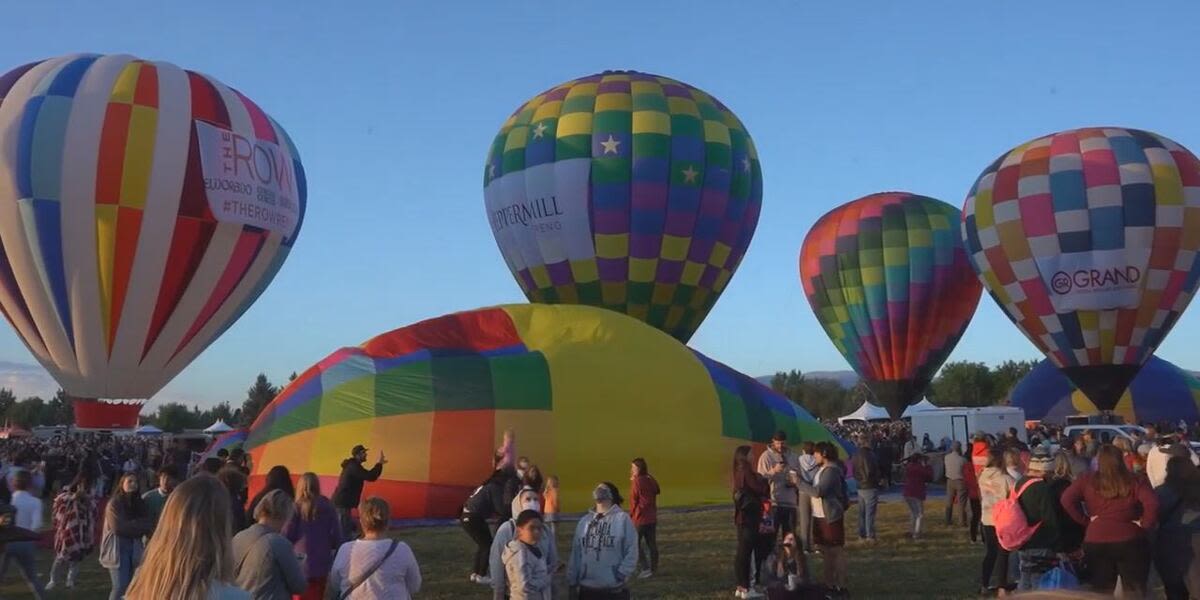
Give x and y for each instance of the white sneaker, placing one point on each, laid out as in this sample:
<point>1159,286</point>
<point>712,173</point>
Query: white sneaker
<point>50,585</point>
<point>747,594</point>
<point>483,580</point>
<point>645,575</point>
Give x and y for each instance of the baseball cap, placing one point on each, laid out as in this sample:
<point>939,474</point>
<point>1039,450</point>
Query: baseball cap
<point>358,448</point>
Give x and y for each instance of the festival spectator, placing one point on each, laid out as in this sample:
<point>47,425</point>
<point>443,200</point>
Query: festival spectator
<point>526,573</point>
<point>971,483</point>
<point>808,469</point>
<point>550,503</point>
<point>375,567</point>
<point>1178,529</point>
<point>786,569</point>
<point>74,516</point>
<point>927,444</point>
<point>190,557</point>
<point>278,478</point>
<point>534,480</point>
<point>349,489</point>
<point>917,473</point>
<point>981,450</point>
<point>1070,533</point>
<point>956,491</point>
<point>486,502</point>
<point>266,565</point>
<point>1040,504</point>
<point>1013,464</point>
<point>604,550</point>
<point>783,493</point>
<point>126,522</point>
<point>829,501</point>
<point>315,534</point>
<point>1118,511</point>
<point>866,472</point>
<point>995,484</point>
<point>1012,441</point>
<point>749,491</point>
<point>156,498</point>
<point>29,516</point>
<point>1078,457</point>
<point>1160,453</point>
<point>643,509</point>
<point>525,501</point>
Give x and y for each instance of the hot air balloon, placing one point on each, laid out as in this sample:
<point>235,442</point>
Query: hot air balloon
<point>143,208</point>
<point>627,191</point>
<point>1160,392</point>
<point>1087,239</point>
<point>889,281</point>
<point>572,382</point>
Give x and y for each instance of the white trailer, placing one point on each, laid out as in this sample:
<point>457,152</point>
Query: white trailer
<point>961,424</point>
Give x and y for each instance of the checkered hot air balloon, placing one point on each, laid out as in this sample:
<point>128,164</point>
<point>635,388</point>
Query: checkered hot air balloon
<point>143,208</point>
<point>1087,239</point>
<point>627,191</point>
<point>889,281</point>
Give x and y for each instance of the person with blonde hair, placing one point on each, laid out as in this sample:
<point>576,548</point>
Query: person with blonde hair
<point>266,565</point>
<point>190,556</point>
<point>375,567</point>
<point>315,533</point>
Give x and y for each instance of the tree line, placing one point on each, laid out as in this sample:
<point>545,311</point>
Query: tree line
<point>172,417</point>
<point>960,383</point>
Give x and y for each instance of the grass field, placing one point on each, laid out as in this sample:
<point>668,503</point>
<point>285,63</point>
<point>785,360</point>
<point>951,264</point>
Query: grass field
<point>697,557</point>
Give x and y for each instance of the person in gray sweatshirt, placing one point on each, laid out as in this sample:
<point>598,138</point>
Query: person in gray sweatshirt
<point>526,569</point>
<point>526,500</point>
<point>265,564</point>
<point>604,551</point>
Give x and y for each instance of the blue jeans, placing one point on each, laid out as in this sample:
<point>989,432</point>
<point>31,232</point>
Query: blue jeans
<point>916,510</point>
<point>22,554</point>
<point>1032,565</point>
<point>868,502</point>
<point>127,552</point>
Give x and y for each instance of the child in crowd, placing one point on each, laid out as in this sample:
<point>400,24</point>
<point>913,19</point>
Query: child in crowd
<point>550,502</point>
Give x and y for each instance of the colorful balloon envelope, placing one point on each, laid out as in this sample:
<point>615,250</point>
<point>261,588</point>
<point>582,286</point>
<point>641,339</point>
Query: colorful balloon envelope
<point>143,208</point>
<point>628,191</point>
<point>1160,392</point>
<point>584,389</point>
<point>1087,239</point>
<point>889,281</point>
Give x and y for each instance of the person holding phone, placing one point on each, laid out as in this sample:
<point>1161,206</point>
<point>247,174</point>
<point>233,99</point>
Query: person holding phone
<point>349,489</point>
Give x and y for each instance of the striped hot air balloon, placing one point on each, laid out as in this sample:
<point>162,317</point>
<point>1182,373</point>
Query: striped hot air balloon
<point>143,208</point>
<point>627,191</point>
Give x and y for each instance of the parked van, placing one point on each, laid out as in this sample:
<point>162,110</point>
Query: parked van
<point>961,424</point>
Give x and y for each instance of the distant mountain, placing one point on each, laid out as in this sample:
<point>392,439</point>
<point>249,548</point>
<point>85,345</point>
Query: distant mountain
<point>846,379</point>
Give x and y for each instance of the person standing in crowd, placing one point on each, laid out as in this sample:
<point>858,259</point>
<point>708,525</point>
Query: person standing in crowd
<point>1070,533</point>
<point>74,516</point>
<point>971,484</point>
<point>604,551</point>
<point>828,493</point>
<point>1118,511</point>
<point>235,484</point>
<point>525,566</point>
<point>375,567</point>
<point>1012,441</point>
<point>1077,456</point>
<point>525,501</point>
<point>315,534</point>
<point>266,565</point>
<point>1156,461</point>
<point>126,522</point>
<point>956,490</point>
<point>1178,529</point>
<point>917,473</point>
<point>866,471</point>
<point>29,516</point>
<point>995,484</point>
<point>749,491</point>
<point>643,509</point>
<point>885,456</point>
<point>190,557</point>
<point>550,503</point>
<point>1013,465</point>
<point>156,498</point>
<point>980,452</point>
<point>348,492</point>
<point>278,478</point>
<point>808,469</point>
<point>486,502</point>
<point>1041,504</point>
<point>783,493</point>
<point>910,446</point>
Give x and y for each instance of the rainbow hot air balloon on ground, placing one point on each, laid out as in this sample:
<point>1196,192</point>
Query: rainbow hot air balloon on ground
<point>143,208</point>
<point>889,281</point>
<point>1087,239</point>
<point>627,191</point>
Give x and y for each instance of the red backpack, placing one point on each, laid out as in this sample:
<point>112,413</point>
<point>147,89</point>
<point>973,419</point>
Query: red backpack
<point>1012,526</point>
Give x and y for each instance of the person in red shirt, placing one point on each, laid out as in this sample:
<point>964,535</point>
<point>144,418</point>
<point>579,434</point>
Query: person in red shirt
<point>971,482</point>
<point>643,509</point>
<point>1118,510</point>
<point>917,473</point>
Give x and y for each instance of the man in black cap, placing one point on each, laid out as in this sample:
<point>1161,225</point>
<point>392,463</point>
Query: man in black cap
<point>350,485</point>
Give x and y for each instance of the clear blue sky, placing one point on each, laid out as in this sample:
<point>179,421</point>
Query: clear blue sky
<point>393,105</point>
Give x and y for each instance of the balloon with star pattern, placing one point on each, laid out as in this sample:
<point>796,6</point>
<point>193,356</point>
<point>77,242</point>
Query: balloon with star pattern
<point>628,191</point>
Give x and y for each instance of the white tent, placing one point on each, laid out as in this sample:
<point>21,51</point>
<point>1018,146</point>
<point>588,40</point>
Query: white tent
<point>866,412</point>
<point>923,405</point>
<point>148,430</point>
<point>219,427</point>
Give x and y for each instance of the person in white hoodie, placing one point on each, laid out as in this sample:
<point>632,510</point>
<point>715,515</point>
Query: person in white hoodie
<point>526,500</point>
<point>604,551</point>
<point>525,566</point>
